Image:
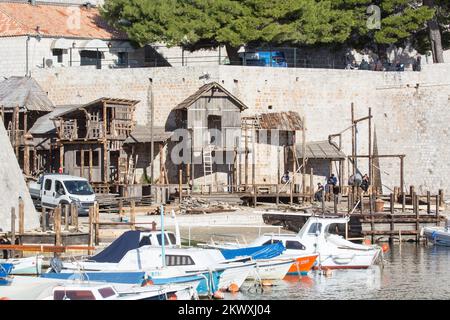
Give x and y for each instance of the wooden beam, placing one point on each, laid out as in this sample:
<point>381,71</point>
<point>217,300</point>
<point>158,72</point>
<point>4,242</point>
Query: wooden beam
<point>44,248</point>
<point>61,157</point>
<point>13,228</point>
<point>21,216</point>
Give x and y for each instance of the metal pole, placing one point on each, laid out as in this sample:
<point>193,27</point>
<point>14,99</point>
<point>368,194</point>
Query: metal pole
<point>163,249</point>
<point>353,150</point>
<point>370,150</point>
<point>152,112</point>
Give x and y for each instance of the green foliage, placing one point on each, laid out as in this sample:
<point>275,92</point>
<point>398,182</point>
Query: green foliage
<point>196,23</point>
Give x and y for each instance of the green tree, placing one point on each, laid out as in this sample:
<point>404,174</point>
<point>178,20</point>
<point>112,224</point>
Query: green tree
<point>197,23</point>
<point>233,23</point>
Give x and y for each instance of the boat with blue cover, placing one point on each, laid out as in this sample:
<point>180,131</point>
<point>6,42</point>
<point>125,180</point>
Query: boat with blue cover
<point>132,253</point>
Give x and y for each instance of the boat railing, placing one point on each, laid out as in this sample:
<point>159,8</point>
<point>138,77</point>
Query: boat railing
<point>258,227</point>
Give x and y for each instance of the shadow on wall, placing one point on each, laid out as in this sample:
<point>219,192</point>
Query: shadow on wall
<point>154,59</point>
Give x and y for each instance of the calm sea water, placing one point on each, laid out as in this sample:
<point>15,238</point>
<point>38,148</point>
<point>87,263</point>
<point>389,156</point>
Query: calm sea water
<point>410,272</point>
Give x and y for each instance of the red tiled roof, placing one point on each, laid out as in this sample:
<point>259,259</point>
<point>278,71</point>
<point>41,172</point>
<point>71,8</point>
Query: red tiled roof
<point>19,19</point>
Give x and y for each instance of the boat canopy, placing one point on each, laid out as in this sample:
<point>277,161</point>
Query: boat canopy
<point>262,252</point>
<point>117,250</point>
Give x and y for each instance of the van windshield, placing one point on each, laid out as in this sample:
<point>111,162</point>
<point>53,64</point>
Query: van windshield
<point>79,187</point>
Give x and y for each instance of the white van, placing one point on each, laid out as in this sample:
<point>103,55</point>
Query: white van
<point>58,189</point>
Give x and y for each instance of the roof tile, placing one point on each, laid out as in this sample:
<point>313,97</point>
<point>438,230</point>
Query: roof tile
<point>19,19</point>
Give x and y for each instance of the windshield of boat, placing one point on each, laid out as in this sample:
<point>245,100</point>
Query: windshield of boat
<point>336,228</point>
<point>310,229</point>
<point>79,187</point>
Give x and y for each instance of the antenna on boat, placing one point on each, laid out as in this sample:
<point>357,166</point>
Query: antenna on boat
<point>177,229</point>
<point>163,249</point>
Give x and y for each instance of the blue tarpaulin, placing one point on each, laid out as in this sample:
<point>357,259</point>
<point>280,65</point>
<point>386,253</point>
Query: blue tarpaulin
<point>263,252</point>
<point>117,250</point>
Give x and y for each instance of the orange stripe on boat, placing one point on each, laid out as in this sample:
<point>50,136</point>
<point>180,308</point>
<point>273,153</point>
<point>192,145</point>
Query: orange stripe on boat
<point>304,263</point>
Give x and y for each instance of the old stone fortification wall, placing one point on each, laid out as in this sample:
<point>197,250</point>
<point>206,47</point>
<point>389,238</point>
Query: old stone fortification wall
<point>410,109</point>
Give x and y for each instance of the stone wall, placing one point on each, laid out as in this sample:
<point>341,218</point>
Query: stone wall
<point>410,108</point>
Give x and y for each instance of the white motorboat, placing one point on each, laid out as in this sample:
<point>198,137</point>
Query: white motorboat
<point>318,237</point>
<point>25,266</point>
<point>184,261</point>
<point>31,288</point>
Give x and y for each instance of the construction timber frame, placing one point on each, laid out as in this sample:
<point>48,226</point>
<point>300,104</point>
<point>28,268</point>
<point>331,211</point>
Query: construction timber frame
<point>90,140</point>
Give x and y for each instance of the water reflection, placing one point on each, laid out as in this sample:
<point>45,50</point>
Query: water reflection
<point>409,272</point>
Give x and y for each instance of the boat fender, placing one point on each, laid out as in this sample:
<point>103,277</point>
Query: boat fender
<point>233,288</point>
<point>385,247</point>
<point>218,295</point>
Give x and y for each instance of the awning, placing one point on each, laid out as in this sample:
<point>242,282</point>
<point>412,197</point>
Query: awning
<point>94,45</point>
<point>141,134</point>
<point>61,43</point>
<point>284,121</point>
<point>320,150</point>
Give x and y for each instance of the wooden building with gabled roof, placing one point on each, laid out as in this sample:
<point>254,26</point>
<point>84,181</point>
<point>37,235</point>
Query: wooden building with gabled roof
<point>91,138</point>
<point>22,103</point>
<point>212,119</point>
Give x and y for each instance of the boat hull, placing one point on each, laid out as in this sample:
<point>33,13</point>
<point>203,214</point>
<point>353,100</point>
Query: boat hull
<point>235,275</point>
<point>274,269</point>
<point>355,261</point>
<point>25,266</point>
<point>136,278</point>
<point>302,265</point>
<point>437,236</point>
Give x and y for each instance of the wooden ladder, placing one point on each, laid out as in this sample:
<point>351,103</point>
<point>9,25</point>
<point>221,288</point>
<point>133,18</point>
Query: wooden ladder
<point>131,169</point>
<point>207,164</point>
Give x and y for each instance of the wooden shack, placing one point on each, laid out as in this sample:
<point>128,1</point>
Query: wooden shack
<point>212,119</point>
<point>22,103</point>
<point>90,140</point>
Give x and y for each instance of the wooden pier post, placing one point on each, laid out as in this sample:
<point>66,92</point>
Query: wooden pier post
<point>120,209</point>
<point>335,198</point>
<point>278,194</point>
<point>180,185</point>
<point>428,202</point>
<point>311,185</point>
<point>74,214</point>
<point>91,229</point>
<point>44,219</point>
<point>323,201</point>
<point>292,192</point>
<point>13,229</point>
<point>255,196</point>
<point>21,217</point>
<point>416,199</point>
<point>66,217</point>
<point>437,210</point>
<point>97,223</point>
<point>57,227</point>
<point>349,202</point>
<point>133,215</point>
<point>371,203</point>
<point>441,197</point>
<point>402,182</point>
